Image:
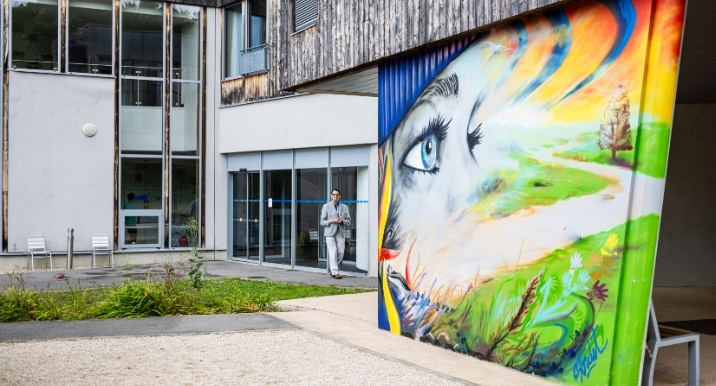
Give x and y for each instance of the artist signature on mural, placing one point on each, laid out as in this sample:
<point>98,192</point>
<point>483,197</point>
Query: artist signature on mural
<point>587,360</point>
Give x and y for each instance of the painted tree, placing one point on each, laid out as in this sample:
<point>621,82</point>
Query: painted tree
<point>614,132</point>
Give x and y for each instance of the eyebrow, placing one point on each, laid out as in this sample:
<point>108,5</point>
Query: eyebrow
<point>444,87</point>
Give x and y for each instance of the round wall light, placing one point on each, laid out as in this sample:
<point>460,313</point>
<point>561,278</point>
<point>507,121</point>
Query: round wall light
<point>89,130</point>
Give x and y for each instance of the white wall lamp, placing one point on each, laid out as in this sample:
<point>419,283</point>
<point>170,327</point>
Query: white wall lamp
<point>89,129</point>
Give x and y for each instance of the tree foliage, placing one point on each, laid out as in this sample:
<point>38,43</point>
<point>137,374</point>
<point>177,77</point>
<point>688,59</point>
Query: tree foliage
<point>614,131</point>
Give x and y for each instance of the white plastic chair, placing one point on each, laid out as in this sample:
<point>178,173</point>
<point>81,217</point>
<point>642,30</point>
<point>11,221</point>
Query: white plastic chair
<point>36,248</point>
<point>100,244</point>
<point>313,237</point>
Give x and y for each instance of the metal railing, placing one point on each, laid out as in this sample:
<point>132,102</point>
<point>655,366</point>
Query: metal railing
<point>254,60</point>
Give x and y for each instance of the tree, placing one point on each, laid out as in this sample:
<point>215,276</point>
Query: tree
<point>614,132</point>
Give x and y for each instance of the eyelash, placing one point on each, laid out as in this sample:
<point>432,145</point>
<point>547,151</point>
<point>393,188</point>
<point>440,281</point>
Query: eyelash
<point>436,125</point>
<point>474,138</point>
<point>439,127</point>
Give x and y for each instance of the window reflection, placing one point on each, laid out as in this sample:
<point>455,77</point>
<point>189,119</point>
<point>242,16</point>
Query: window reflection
<point>89,36</point>
<point>277,216</point>
<point>184,120</point>
<point>184,195</point>
<point>311,194</point>
<point>185,42</point>
<point>141,117</point>
<point>142,51</point>
<point>35,35</point>
<point>142,177</point>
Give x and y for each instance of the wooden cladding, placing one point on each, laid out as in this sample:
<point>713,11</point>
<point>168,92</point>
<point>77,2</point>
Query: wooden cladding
<point>249,89</point>
<point>353,33</point>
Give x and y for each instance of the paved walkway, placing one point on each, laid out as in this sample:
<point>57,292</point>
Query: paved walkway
<point>329,340</point>
<point>89,278</point>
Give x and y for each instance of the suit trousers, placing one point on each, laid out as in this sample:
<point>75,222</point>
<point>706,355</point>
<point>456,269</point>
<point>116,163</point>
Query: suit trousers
<point>336,245</point>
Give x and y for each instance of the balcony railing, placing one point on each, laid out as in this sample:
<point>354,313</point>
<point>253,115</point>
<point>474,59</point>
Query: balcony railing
<point>254,60</point>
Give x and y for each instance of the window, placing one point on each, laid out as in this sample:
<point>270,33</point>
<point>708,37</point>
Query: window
<point>89,36</point>
<point>305,14</point>
<point>184,123</point>
<point>147,164</point>
<point>245,38</point>
<point>35,30</point>
<point>35,36</point>
<point>142,50</point>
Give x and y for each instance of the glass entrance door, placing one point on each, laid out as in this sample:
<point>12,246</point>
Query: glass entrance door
<point>245,216</point>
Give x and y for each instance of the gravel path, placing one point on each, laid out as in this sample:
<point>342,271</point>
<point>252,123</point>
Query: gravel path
<point>245,358</point>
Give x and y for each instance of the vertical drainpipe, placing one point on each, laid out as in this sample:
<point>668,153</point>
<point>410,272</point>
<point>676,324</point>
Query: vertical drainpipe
<point>5,131</point>
<point>202,173</point>
<point>116,121</point>
<point>167,107</point>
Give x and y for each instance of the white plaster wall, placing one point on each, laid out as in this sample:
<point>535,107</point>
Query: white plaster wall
<point>58,177</point>
<point>686,254</point>
<point>314,120</point>
<point>216,163</point>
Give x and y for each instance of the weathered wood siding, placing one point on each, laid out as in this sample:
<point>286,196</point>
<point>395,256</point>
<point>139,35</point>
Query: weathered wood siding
<point>354,33</point>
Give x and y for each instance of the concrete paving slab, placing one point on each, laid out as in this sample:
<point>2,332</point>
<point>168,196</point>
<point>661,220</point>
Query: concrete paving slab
<point>168,325</point>
<point>352,319</point>
<point>216,269</point>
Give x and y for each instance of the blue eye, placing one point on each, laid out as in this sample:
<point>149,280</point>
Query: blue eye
<point>423,155</point>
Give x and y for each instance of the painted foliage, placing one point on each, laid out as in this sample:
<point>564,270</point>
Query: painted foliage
<point>522,177</point>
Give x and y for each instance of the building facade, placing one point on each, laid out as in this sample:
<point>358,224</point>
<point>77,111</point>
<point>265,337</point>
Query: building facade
<point>227,123</point>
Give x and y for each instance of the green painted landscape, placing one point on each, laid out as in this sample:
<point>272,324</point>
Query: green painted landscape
<point>652,137</point>
<point>550,316</point>
<point>534,183</point>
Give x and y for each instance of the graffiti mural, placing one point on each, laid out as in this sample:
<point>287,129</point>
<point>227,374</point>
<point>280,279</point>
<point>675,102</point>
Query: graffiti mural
<point>522,177</point>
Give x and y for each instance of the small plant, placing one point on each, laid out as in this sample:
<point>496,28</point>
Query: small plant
<point>126,267</point>
<point>197,273</point>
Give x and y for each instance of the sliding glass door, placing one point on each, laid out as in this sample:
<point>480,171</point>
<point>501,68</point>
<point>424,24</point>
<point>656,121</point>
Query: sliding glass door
<point>245,218</point>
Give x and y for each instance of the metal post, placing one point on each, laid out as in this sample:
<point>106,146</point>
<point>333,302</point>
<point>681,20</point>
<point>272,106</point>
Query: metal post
<point>70,243</point>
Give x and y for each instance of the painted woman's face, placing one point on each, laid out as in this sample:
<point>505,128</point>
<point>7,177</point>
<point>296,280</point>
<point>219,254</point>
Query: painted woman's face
<point>439,155</point>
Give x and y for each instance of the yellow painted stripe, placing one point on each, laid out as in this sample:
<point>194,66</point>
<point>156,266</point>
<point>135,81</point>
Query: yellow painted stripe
<point>393,317</point>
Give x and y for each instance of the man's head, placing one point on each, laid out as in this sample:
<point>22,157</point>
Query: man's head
<point>335,196</point>
<point>130,197</point>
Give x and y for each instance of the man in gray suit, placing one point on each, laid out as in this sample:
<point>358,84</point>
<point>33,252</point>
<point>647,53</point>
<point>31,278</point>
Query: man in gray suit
<point>335,217</point>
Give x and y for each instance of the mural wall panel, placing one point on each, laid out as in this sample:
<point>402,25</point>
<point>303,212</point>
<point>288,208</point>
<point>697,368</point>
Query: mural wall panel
<point>522,177</point>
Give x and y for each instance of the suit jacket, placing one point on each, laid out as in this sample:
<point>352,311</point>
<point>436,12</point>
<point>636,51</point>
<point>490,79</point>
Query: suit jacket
<point>329,212</point>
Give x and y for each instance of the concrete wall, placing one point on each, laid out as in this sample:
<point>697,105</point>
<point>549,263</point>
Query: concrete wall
<point>58,177</point>
<point>686,254</point>
<point>315,120</point>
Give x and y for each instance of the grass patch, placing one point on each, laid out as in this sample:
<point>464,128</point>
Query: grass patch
<point>653,139</point>
<point>537,183</point>
<point>169,295</point>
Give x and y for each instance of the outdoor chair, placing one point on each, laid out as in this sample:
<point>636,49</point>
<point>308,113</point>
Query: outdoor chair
<point>100,244</point>
<point>36,248</point>
<point>313,237</point>
<point>662,336</point>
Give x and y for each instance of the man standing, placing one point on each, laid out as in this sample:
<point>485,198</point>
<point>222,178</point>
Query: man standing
<point>335,217</point>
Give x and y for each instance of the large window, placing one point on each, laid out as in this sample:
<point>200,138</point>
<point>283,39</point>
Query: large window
<point>35,34</point>
<point>142,50</point>
<point>144,127</point>
<point>89,36</point>
<point>245,38</point>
